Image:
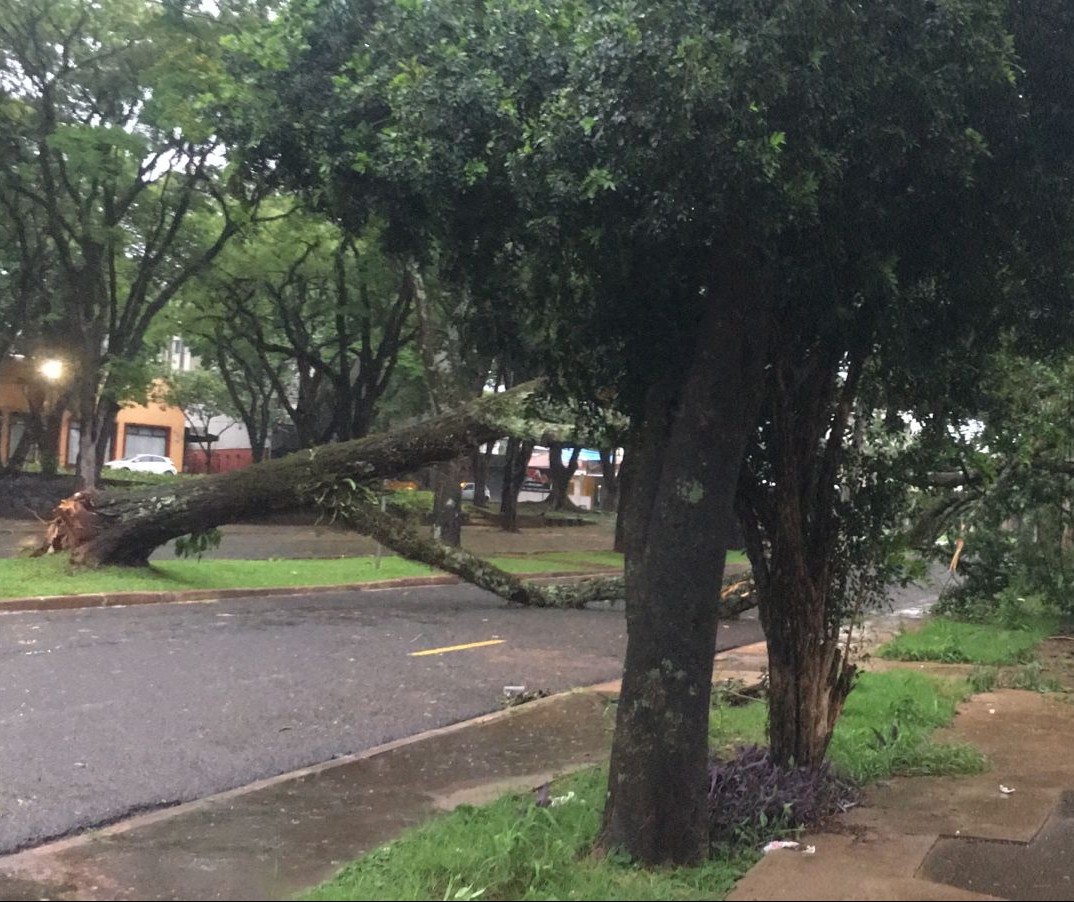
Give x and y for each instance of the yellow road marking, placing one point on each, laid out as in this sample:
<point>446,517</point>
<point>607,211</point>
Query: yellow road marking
<point>447,648</point>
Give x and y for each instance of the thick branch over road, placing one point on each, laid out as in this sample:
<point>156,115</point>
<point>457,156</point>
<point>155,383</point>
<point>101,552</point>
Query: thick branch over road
<point>736,596</point>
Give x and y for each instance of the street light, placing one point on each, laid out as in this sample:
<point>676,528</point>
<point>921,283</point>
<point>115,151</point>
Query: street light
<point>51,369</point>
<point>47,411</point>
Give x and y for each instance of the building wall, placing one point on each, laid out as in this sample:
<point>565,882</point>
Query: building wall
<point>223,459</point>
<point>153,415</point>
<point>16,373</point>
<point>12,399</point>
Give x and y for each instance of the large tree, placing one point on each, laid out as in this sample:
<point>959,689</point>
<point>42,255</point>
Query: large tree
<point>716,204</point>
<point>319,315</point>
<point>102,140</point>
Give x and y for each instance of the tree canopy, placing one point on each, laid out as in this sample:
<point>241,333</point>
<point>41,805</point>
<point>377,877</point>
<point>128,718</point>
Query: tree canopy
<point>746,225</point>
<point>110,163</point>
<point>729,215</point>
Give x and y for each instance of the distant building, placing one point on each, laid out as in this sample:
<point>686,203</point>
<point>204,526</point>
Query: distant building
<point>140,429</point>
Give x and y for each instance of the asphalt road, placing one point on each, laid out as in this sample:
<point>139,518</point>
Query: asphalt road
<point>108,711</point>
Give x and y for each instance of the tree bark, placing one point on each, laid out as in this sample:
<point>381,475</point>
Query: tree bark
<point>690,450</point>
<point>408,542</point>
<point>514,472</point>
<point>479,463</point>
<point>792,530</point>
<point>125,527</point>
<point>447,504</point>
<point>734,597</point>
<point>17,458</point>
<point>609,482</point>
<point>808,679</point>
<point>560,476</point>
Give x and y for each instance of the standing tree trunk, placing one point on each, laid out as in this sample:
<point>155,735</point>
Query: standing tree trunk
<point>47,405</point>
<point>789,518</point>
<point>447,504</point>
<point>609,482</point>
<point>17,458</point>
<point>479,465</point>
<point>687,471</point>
<point>49,443</point>
<point>514,472</point>
<point>808,680</point>
<point>87,464</point>
<point>561,475</point>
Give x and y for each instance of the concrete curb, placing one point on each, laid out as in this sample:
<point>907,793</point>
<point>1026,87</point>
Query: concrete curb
<point>126,599</point>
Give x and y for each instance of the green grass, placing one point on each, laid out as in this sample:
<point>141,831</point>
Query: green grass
<point>733,725</point>
<point>957,642</point>
<point>512,849</point>
<point>52,575</point>
<point>886,725</point>
<point>1031,677</point>
<point>884,730</point>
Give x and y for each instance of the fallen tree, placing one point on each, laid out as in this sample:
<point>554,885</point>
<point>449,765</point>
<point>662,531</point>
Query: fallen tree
<point>736,595</point>
<point>125,527</point>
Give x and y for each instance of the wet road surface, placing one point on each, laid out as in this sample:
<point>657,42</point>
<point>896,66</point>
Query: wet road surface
<point>112,710</point>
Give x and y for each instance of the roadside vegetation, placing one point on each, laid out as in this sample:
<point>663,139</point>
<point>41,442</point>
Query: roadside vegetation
<point>517,848</point>
<point>1003,637</point>
<point>951,641</point>
<point>53,575</point>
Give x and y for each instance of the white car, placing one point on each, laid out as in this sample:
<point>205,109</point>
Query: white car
<point>143,463</point>
<point>468,489</point>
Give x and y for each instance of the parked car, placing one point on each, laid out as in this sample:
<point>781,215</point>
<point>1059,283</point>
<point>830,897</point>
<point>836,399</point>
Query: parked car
<point>143,463</point>
<point>400,485</point>
<point>468,489</point>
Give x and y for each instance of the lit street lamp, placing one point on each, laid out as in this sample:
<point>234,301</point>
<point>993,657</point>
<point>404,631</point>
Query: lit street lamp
<point>51,368</point>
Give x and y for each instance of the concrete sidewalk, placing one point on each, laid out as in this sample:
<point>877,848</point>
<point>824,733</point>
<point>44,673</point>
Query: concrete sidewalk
<point>915,838</point>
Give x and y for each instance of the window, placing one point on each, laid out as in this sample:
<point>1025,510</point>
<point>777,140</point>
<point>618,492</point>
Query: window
<point>74,436</point>
<point>145,440</point>
<point>16,430</point>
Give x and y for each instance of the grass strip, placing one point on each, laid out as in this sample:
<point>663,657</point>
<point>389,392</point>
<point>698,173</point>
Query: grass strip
<point>512,849</point>
<point>958,642</point>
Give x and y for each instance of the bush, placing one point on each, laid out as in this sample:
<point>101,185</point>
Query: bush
<point>751,798</point>
<point>410,503</point>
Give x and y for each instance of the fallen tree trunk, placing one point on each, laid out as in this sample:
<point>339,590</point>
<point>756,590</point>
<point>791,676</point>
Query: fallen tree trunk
<point>125,527</point>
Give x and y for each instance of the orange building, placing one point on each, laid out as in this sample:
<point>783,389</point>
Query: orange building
<point>149,428</point>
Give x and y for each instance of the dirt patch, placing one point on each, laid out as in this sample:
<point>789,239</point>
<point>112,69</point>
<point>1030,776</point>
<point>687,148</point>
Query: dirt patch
<point>1056,657</point>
